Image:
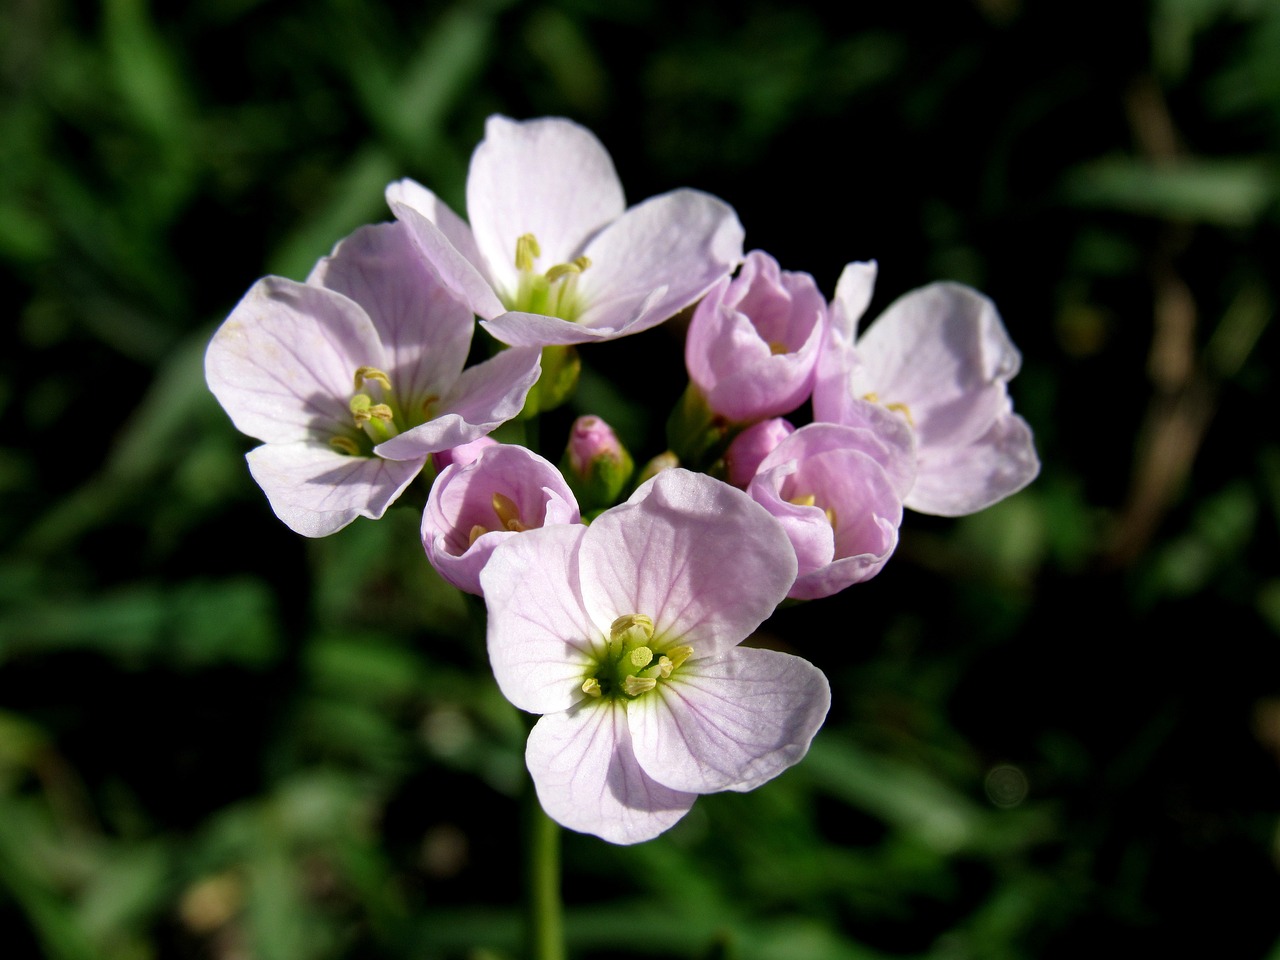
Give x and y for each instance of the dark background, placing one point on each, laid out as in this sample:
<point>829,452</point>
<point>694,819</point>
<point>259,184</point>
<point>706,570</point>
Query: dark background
<point>1056,723</point>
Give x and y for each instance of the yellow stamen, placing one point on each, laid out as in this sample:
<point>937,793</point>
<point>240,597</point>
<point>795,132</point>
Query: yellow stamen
<point>527,250</point>
<point>344,445</point>
<point>365,374</point>
<point>359,407</point>
<point>380,411</point>
<point>678,655</point>
<point>803,500</point>
<point>476,533</point>
<point>562,270</point>
<point>634,686</point>
<point>507,512</point>
<point>591,687</point>
<point>831,517</point>
<point>871,397</point>
<point>665,666</point>
<point>777,347</point>
<point>632,628</point>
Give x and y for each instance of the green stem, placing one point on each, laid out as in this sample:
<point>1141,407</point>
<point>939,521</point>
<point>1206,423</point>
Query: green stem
<point>544,917</point>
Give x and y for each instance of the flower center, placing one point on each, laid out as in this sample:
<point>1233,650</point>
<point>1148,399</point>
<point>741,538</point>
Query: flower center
<point>552,293</point>
<point>631,664</point>
<point>809,500</point>
<point>376,414</point>
<point>508,514</point>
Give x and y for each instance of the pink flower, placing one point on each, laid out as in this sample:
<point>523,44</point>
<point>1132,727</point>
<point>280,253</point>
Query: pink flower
<point>838,492</point>
<point>473,507</point>
<point>754,340</point>
<point>940,358</point>
<point>625,634</point>
<point>552,255</point>
<point>352,379</point>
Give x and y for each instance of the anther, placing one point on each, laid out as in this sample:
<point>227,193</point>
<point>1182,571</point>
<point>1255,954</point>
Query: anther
<point>777,347</point>
<point>374,375</point>
<point>476,533</point>
<point>634,686</point>
<point>344,445</point>
<point>591,687</point>
<point>359,407</point>
<point>562,270</point>
<point>803,500</point>
<point>633,628</point>
<point>507,512</point>
<point>641,657</point>
<point>665,666</point>
<point>871,397</point>
<point>903,409</point>
<point>527,251</point>
<point>678,655</point>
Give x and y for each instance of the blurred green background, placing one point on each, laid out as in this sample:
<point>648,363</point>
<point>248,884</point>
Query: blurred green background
<point>1056,723</point>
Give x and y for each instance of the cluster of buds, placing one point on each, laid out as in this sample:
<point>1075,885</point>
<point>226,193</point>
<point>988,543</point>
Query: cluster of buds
<point>617,602</point>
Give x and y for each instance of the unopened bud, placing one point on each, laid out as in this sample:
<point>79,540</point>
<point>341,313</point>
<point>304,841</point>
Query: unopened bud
<point>597,466</point>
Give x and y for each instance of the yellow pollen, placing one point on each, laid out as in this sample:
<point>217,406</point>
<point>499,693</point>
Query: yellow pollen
<point>372,374</point>
<point>777,347</point>
<point>831,517</point>
<point>641,657</point>
<point>476,533</point>
<point>871,397</point>
<point>665,666</point>
<point>344,445</point>
<point>803,500</point>
<point>527,250</point>
<point>591,687</point>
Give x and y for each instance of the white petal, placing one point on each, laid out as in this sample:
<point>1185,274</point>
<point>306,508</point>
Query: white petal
<point>588,779</point>
<point>964,480</point>
<point>413,195</point>
<point>425,331</point>
<point>463,278</point>
<point>282,363</point>
<point>549,177</point>
<point>539,637</point>
<point>729,722</point>
<point>316,491</point>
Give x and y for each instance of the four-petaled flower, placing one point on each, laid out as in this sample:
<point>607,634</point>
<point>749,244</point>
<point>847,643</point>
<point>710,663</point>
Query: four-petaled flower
<point>940,358</point>
<point>625,634</point>
<point>353,378</point>
<point>552,254</point>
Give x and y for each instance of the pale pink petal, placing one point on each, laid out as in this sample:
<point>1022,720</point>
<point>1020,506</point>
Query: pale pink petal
<point>315,490</point>
<point>943,352</point>
<point>683,242</point>
<point>962,480</point>
<point>482,399</point>
<point>840,376</point>
<point>729,722</point>
<point>458,274</point>
<point>699,557</point>
<point>539,330</point>
<point>853,292</point>
<point>282,364</point>
<point>413,195</point>
<point>549,177</point>
<point>588,779</point>
<point>751,446</point>
<point>462,454</point>
<point>540,639</point>
<point>425,331</point>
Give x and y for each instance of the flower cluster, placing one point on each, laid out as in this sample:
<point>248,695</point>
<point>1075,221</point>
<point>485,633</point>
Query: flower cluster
<point>618,605</point>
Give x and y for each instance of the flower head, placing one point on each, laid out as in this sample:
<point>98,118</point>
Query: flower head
<point>474,506</point>
<point>940,359</point>
<point>353,378</point>
<point>754,340</point>
<point>552,254</point>
<point>625,634</point>
<point>838,492</point>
